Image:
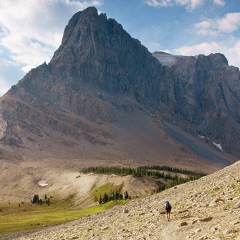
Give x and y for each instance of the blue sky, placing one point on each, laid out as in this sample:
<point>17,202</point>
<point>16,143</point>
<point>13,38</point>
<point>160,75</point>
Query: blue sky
<point>31,30</point>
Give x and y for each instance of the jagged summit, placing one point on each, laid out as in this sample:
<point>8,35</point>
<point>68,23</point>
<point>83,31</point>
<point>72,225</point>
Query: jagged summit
<point>88,20</point>
<point>99,51</point>
<point>87,17</point>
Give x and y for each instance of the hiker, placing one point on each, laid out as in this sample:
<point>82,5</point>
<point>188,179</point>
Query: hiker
<point>168,208</point>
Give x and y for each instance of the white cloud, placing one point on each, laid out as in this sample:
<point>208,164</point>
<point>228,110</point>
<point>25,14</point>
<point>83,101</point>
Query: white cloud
<point>207,27</point>
<point>159,3</point>
<point>228,24</point>
<point>202,48</point>
<point>31,30</point>
<point>189,4</point>
<point>231,50</point>
<point>4,87</point>
<point>9,71</point>
<point>219,2</point>
<point>82,4</point>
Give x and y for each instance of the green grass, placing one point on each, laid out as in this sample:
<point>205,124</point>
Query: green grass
<point>107,188</point>
<point>31,216</point>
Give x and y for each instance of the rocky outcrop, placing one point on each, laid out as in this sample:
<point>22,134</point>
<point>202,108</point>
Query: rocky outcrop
<point>97,51</point>
<point>203,95</point>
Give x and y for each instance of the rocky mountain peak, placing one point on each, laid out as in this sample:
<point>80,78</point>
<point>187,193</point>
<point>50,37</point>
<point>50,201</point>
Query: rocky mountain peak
<point>218,60</point>
<point>84,25</point>
<point>88,32</point>
<point>215,61</point>
<point>87,17</point>
<point>99,51</point>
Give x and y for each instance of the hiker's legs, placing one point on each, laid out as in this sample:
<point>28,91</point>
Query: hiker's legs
<point>168,215</point>
<point>168,210</point>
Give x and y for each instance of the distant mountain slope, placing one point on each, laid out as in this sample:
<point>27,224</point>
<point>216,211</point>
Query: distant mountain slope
<point>205,93</point>
<point>104,96</point>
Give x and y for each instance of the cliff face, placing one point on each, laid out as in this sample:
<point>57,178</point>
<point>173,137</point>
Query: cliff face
<point>103,94</point>
<point>205,94</point>
<point>97,51</point>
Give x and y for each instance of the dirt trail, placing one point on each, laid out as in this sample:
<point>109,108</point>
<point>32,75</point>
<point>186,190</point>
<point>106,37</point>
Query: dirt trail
<point>168,231</point>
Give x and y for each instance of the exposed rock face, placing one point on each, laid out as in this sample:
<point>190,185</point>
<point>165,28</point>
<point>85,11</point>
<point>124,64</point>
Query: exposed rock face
<point>100,77</point>
<point>205,93</point>
<point>98,51</point>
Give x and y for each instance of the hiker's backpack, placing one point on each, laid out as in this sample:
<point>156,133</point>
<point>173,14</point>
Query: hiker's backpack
<point>167,204</point>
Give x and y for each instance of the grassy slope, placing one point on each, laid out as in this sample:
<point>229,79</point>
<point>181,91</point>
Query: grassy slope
<point>27,216</point>
<point>31,216</point>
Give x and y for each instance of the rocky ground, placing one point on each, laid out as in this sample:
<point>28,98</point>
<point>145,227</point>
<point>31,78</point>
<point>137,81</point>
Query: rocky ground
<point>208,208</point>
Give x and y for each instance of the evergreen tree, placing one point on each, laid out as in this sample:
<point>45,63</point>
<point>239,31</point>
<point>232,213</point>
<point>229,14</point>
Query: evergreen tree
<point>100,200</point>
<point>117,195</point>
<point>105,198</point>
<point>48,201</point>
<point>126,195</point>
<point>121,196</point>
<point>35,199</point>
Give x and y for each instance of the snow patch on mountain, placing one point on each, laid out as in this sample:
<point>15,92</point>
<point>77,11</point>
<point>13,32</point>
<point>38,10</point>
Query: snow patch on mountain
<point>218,146</point>
<point>166,58</point>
